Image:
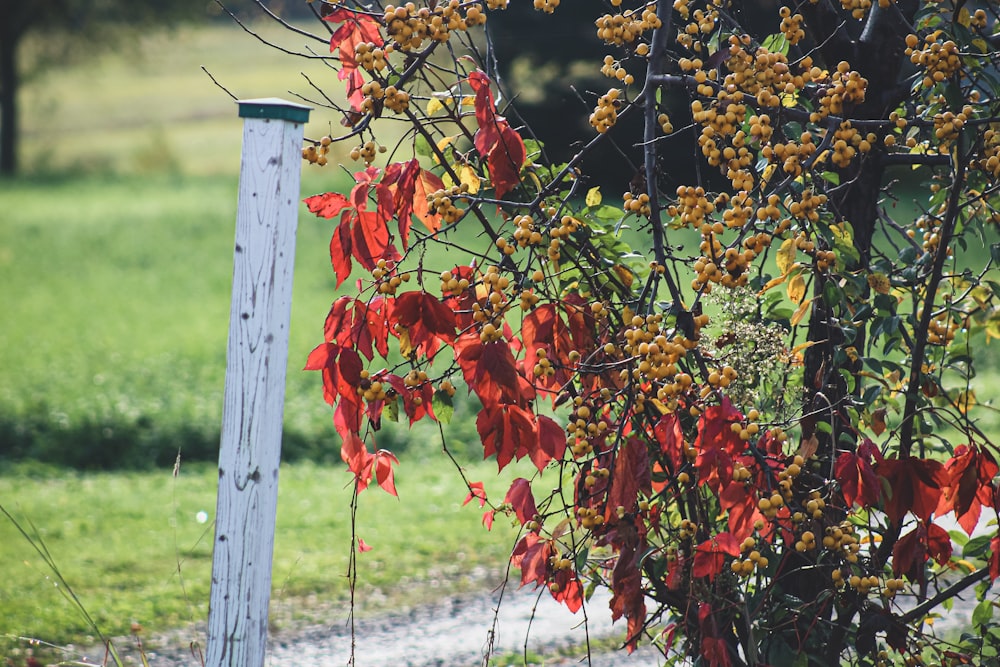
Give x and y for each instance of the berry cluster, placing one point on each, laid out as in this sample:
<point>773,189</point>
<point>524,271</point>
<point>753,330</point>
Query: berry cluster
<point>367,152</point>
<point>316,153</point>
<point>442,202</point>
<point>605,115</point>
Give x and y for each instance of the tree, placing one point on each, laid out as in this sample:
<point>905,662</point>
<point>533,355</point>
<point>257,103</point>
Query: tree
<point>65,27</point>
<point>757,406</point>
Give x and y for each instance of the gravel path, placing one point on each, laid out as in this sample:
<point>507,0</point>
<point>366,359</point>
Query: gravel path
<point>453,632</point>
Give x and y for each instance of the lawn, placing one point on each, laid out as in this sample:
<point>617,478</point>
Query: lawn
<point>136,547</point>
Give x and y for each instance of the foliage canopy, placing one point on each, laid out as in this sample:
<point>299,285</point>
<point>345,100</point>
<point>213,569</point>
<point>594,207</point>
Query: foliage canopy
<point>752,393</point>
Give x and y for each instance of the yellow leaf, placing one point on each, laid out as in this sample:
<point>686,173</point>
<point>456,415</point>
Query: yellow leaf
<point>789,99</point>
<point>796,288</point>
<point>658,404</point>
<point>773,282</point>
<point>467,175</point>
<point>879,282</point>
<point>405,348</point>
<point>768,172</point>
<point>441,145</point>
<point>624,274</point>
<point>594,196</point>
<point>434,105</point>
<point>964,18</point>
<point>965,400</point>
<point>800,312</point>
<point>468,100</point>
<point>786,256</point>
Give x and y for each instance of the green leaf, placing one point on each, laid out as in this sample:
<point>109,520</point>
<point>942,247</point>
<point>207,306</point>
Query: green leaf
<point>776,43</point>
<point>995,252</point>
<point>983,612</point>
<point>392,410</point>
<point>443,406</point>
<point>976,547</point>
<point>422,147</point>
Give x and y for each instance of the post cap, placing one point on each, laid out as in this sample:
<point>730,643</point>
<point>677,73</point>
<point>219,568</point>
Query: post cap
<point>274,107</point>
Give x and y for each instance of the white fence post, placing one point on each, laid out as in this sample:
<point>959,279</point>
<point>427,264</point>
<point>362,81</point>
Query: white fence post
<point>256,362</point>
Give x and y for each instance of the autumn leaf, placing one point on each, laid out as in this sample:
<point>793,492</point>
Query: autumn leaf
<point>631,475</point>
<point>357,28</point>
<point>363,546</point>
<point>670,437</point>
<point>495,139</point>
<point>857,479</point>
<point>741,503</point>
<point>327,205</point>
<point>533,556</point>
<point>710,555</point>
<point>626,586</point>
<point>911,551</point>
<point>383,472</point>
<point>490,370</point>
<point>969,485</point>
<point>785,256</point>
<point>503,430</point>
<point>915,485</point>
<point>476,490</point>
<point>341,249</point>
<point>715,428</point>
<point>568,590</point>
<point>521,500</point>
<point>427,320</point>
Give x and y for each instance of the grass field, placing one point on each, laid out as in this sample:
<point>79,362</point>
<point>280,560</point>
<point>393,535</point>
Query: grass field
<point>135,549</point>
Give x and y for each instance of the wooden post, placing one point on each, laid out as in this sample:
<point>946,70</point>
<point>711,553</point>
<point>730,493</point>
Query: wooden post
<point>256,362</point>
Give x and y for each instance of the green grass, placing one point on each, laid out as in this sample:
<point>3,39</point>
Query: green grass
<point>131,546</point>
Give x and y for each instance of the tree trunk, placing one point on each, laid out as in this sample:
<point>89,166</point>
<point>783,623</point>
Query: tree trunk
<point>8,102</point>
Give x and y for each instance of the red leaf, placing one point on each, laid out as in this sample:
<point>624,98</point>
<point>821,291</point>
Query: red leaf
<point>426,319</point>
<point>551,442</point>
<point>495,139</point>
<point>410,186</point>
<point>490,371</point>
<point>741,502</point>
<point>631,475</point>
<point>994,558</point>
<point>715,468</point>
<point>357,28</point>
<point>912,550</point>
<point>340,251</point>
<point>488,519</point>
<point>521,500</point>
<point>370,239</point>
<point>327,205</point>
<point>568,590</point>
<point>476,490</point>
<point>383,471</point>
<point>363,546</point>
<point>715,651</point>
<point>323,358</point>
<point>502,429</point>
<point>543,329</point>
<point>354,453</point>
<point>857,479</point>
<point>715,429</point>
<point>626,585</point>
<point>671,439</point>
<point>710,555</point>
<point>533,556</point>
<point>969,486</point>
<point>915,485</point>
<point>505,160</point>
